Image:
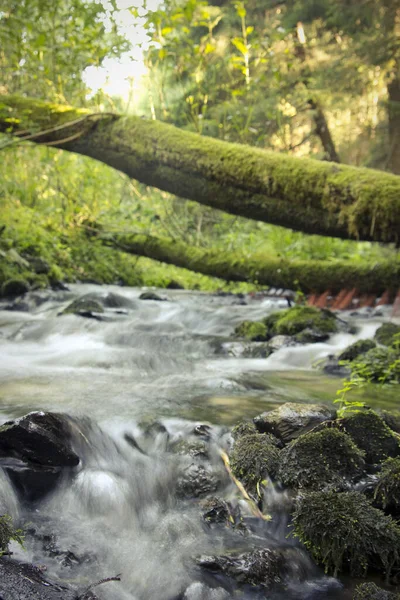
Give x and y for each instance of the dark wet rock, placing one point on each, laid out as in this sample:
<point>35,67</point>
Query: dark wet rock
<point>264,567</point>
<point>243,428</point>
<point>357,349</point>
<point>174,285</point>
<point>327,459</point>
<point>14,287</point>
<point>344,532</point>
<point>152,296</point>
<point>216,510</point>
<point>34,450</point>
<point>112,300</point>
<point>50,546</point>
<point>331,366</point>
<point>84,307</point>
<point>311,336</point>
<point>370,591</point>
<point>254,458</point>
<point>20,581</point>
<point>39,265</point>
<point>292,419</point>
<point>202,430</point>
<point>196,481</point>
<point>387,487</point>
<point>39,438</point>
<point>386,332</point>
<point>370,433</point>
<point>257,350</point>
<point>392,419</point>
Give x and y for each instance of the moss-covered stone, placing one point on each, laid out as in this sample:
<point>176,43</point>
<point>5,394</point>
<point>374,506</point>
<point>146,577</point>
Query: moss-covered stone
<point>385,333</point>
<point>254,458</point>
<point>294,320</point>
<point>392,419</point>
<point>243,428</point>
<point>327,459</point>
<point>358,348</point>
<point>387,488</point>
<point>83,306</point>
<point>370,433</point>
<point>379,364</point>
<point>370,591</point>
<point>14,287</point>
<point>252,330</point>
<point>344,532</point>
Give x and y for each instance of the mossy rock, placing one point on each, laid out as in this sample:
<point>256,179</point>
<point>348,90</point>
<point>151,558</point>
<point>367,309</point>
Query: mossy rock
<point>254,457</point>
<point>327,459</point>
<point>243,428</point>
<point>294,320</point>
<point>387,489</point>
<point>392,419</point>
<point>343,531</point>
<point>386,332</point>
<point>370,591</point>
<point>370,433</point>
<point>254,331</point>
<point>357,349</point>
<point>83,306</point>
<point>14,287</point>
<point>378,365</point>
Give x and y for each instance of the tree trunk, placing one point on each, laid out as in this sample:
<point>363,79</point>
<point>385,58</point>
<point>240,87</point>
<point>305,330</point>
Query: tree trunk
<point>394,123</point>
<point>323,132</point>
<point>309,276</point>
<point>303,194</point>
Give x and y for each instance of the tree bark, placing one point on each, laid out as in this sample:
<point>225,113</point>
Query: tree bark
<point>394,123</point>
<point>302,194</point>
<point>323,132</point>
<point>309,276</point>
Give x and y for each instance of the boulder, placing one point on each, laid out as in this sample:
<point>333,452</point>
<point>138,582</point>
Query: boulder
<point>39,438</point>
<point>299,318</point>
<point>357,349</point>
<point>14,287</point>
<point>311,336</point>
<point>331,366</point>
<point>392,419</point>
<point>385,333</point>
<point>326,459</point>
<point>152,296</point>
<point>254,458</point>
<point>370,433</point>
<point>254,331</point>
<point>292,419</point>
<point>216,511</point>
<point>281,341</point>
<point>84,307</point>
<point>344,532</point>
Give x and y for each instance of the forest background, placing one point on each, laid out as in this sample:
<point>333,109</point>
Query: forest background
<point>306,78</point>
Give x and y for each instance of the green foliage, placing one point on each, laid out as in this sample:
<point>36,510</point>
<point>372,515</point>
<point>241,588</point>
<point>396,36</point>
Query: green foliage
<point>254,458</point>
<point>355,350</point>
<point>344,532</point>
<point>8,533</point>
<point>370,591</point>
<point>386,333</point>
<point>327,459</point>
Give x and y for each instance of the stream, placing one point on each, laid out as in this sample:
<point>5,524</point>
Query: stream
<point>156,373</point>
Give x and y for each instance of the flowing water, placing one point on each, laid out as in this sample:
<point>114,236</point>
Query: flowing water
<point>147,361</point>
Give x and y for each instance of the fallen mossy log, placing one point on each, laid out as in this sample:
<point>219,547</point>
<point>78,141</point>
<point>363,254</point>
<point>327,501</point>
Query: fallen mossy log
<point>305,275</point>
<point>303,194</point>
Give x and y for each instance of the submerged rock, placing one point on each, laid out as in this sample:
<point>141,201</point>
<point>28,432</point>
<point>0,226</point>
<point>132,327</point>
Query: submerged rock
<point>311,336</point>
<point>370,433</point>
<point>292,419</point>
<point>357,349</point>
<point>264,567</point>
<point>152,296</point>
<point>386,332</point>
<point>84,307</point>
<point>344,532</point>
<point>216,511</point>
<point>281,341</point>
<point>321,460</point>
<point>196,481</point>
<point>254,458</point>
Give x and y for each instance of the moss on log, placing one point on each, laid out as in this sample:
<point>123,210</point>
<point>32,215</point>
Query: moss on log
<point>303,194</point>
<point>307,276</point>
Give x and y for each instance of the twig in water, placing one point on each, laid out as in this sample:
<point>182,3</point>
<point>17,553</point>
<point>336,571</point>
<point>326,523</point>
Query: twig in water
<point>93,585</point>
